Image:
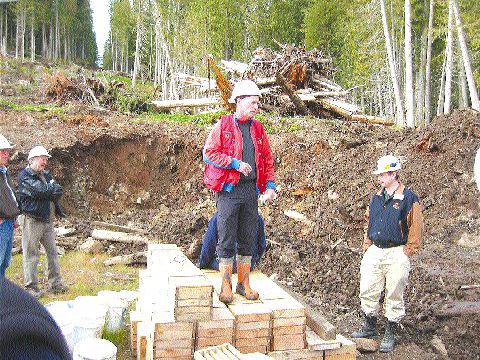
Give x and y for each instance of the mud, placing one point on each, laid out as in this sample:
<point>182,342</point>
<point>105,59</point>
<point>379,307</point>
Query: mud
<point>149,176</point>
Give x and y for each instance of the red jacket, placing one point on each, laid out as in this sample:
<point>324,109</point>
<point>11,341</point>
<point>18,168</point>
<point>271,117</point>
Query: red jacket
<point>223,151</point>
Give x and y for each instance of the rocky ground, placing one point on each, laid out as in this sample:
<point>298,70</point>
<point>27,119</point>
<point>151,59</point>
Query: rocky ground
<point>148,175</point>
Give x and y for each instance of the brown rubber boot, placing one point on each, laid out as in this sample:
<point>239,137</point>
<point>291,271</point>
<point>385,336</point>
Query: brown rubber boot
<point>243,285</point>
<point>226,295</point>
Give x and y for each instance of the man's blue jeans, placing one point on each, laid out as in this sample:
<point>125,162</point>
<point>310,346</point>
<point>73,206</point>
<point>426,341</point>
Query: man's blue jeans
<point>6,243</point>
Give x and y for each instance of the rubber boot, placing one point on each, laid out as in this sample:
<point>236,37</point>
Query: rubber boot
<point>388,342</point>
<point>369,329</point>
<point>226,295</point>
<point>243,284</point>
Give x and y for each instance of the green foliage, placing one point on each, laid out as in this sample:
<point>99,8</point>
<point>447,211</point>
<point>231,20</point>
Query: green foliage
<point>49,109</point>
<point>198,119</point>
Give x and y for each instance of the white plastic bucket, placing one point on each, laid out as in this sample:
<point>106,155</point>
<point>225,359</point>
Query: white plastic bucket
<point>95,349</point>
<point>62,313</point>
<point>115,319</point>
<point>89,314</point>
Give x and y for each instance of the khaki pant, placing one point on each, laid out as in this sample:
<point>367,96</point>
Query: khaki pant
<point>384,269</point>
<point>34,233</point>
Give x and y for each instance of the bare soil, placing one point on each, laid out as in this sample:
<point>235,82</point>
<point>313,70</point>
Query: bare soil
<point>148,175</point>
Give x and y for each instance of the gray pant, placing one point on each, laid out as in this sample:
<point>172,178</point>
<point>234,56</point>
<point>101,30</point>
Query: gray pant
<point>34,233</point>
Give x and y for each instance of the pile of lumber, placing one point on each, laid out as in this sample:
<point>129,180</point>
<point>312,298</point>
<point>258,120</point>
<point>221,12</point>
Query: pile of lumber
<point>292,82</point>
<point>178,313</point>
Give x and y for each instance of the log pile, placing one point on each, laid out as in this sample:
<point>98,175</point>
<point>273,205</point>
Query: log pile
<point>293,82</point>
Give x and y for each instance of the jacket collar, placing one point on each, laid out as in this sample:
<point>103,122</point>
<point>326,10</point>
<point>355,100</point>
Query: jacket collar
<point>399,190</point>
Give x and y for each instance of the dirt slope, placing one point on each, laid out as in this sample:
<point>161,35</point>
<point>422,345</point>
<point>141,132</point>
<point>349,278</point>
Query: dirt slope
<point>149,176</point>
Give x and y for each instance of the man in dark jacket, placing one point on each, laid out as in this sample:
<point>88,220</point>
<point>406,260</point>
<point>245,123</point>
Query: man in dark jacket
<point>8,207</point>
<point>27,331</point>
<point>209,257</point>
<point>39,195</point>
<point>393,235</point>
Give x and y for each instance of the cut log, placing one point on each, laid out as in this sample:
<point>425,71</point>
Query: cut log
<point>166,104</point>
<point>299,104</point>
<point>372,119</point>
<point>115,227</point>
<point>118,237</point>
<point>130,259</point>
<point>314,95</point>
<point>235,67</point>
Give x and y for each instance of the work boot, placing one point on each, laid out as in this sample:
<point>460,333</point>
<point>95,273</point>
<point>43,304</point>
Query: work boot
<point>58,289</point>
<point>388,342</point>
<point>369,329</point>
<point>226,295</point>
<point>243,284</point>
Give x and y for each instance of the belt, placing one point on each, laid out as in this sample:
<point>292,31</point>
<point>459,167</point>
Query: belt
<point>387,245</point>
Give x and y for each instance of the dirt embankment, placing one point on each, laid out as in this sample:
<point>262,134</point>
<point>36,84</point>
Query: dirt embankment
<point>149,176</point>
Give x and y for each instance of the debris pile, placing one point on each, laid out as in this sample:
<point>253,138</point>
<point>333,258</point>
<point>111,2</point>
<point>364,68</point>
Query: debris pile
<point>292,82</point>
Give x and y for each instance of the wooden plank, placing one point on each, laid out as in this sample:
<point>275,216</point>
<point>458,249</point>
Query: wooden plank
<point>289,321</point>
<point>218,332</point>
<point>253,349</point>
<point>253,325</point>
<point>297,355</point>
<point>288,330</point>
<point>116,236</point>
<point>162,328</point>
<point>247,334</point>
<point>193,309</point>
<point>252,312</point>
<point>260,341</point>
<point>203,342</point>
<point>115,227</point>
<point>289,342</point>
<point>314,342</point>
<point>194,302</point>
<point>285,308</point>
<point>175,344</point>
<point>193,317</point>
<point>174,353</point>
<point>174,334</point>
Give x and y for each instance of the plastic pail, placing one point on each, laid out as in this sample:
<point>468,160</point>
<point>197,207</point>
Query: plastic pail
<point>94,349</point>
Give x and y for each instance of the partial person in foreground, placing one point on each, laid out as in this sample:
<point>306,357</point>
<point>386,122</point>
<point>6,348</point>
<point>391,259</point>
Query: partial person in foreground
<point>476,169</point>
<point>27,331</point>
<point>393,235</point>
<point>39,196</point>
<point>209,258</point>
<point>239,167</point>
<point>8,207</point>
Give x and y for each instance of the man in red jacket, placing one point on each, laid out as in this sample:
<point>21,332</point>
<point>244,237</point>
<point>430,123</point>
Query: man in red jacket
<point>239,166</point>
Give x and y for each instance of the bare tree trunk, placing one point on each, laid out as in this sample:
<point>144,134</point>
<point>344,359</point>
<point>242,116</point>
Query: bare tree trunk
<point>56,54</point>
<point>396,88</point>
<point>449,63</point>
<point>428,65</point>
<point>466,59</point>
<point>441,93</point>
<point>421,79</point>
<point>136,63</point>
<point>17,37</point>
<point>32,38</point>
<point>409,91</point>
<point>462,82</point>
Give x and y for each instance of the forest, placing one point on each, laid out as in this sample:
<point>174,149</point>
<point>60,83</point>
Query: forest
<point>409,60</point>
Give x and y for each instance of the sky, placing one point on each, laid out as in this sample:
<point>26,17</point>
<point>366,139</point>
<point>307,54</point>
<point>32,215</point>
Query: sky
<point>101,23</point>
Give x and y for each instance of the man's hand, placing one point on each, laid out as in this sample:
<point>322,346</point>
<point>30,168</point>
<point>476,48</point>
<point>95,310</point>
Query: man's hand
<point>268,196</point>
<point>244,168</point>
<point>408,251</point>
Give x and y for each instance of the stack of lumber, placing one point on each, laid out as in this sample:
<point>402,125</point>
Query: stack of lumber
<point>178,313</point>
<point>252,327</point>
<point>288,324</point>
<point>218,330</point>
<point>223,351</point>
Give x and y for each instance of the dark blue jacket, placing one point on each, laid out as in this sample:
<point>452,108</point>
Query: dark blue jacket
<point>208,257</point>
<point>390,222</point>
<point>36,194</point>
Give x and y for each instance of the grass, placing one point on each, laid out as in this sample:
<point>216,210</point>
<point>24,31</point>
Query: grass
<point>85,274</point>
<point>29,107</point>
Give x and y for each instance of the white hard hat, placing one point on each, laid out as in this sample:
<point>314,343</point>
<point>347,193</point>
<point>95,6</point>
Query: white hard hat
<point>387,163</point>
<point>38,150</point>
<point>4,144</point>
<point>244,88</point>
